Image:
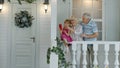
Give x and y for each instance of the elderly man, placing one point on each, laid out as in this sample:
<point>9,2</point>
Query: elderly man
<point>90,33</point>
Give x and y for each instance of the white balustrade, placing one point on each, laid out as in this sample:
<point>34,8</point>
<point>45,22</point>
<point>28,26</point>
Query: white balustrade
<point>95,48</point>
<point>106,48</point>
<point>78,56</point>
<point>84,49</point>
<point>116,55</point>
<point>74,53</point>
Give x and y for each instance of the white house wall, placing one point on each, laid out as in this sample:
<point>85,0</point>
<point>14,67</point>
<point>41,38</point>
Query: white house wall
<point>4,41</point>
<point>44,38</point>
<point>44,29</point>
<point>44,34</point>
<point>112,20</point>
<point>63,11</point>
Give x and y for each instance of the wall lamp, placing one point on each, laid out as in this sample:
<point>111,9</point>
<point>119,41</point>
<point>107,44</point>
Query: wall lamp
<point>46,3</point>
<point>1,4</point>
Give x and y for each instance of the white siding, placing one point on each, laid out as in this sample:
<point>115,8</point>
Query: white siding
<point>4,25</point>
<point>112,20</point>
<point>43,32</point>
<point>45,23</point>
<point>63,11</point>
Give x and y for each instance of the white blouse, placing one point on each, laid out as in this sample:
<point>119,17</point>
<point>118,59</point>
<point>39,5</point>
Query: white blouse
<point>76,34</point>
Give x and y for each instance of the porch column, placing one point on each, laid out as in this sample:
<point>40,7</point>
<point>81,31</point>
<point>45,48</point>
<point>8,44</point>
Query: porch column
<point>53,57</point>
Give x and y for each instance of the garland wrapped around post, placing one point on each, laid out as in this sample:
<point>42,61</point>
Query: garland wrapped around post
<point>59,51</point>
<point>23,19</point>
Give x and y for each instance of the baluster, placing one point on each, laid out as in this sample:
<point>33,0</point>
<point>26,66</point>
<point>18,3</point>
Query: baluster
<point>116,55</point>
<point>106,55</point>
<point>95,55</point>
<point>78,55</point>
<point>73,53</point>
<point>84,49</point>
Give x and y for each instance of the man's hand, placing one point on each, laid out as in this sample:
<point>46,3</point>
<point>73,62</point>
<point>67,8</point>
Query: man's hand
<point>89,35</point>
<point>83,35</point>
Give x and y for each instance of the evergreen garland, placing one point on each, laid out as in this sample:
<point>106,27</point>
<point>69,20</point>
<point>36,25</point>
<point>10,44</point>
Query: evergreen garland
<point>58,51</point>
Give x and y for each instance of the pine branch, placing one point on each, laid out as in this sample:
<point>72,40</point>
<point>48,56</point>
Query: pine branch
<point>19,2</point>
<point>8,0</point>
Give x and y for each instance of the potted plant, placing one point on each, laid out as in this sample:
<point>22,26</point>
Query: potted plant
<point>59,51</point>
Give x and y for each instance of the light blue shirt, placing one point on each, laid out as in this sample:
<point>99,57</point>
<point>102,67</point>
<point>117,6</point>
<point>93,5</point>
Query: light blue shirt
<point>90,28</point>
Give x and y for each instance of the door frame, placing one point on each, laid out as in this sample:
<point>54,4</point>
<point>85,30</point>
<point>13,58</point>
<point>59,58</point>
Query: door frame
<point>10,42</point>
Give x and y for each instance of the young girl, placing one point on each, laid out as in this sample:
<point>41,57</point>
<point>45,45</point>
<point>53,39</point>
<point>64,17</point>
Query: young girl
<point>65,34</point>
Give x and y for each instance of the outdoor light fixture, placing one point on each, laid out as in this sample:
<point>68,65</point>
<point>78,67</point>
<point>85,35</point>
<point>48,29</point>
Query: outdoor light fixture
<point>46,3</point>
<point>1,4</point>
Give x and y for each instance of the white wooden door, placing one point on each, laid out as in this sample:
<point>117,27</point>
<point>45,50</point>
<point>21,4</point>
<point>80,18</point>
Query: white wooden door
<point>23,39</point>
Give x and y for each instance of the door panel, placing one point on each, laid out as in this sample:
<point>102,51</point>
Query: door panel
<point>23,47</point>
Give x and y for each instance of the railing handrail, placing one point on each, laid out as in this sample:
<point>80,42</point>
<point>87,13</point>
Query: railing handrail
<point>98,42</point>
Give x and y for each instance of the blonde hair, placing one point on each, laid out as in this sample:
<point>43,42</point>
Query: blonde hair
<point>67,20</point>
<point>72,18</point>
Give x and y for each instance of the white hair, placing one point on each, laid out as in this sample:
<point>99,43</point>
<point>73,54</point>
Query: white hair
<point>87,15</point>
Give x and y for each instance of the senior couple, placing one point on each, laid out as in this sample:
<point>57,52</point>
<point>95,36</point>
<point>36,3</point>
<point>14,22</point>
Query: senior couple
<point>85,31</point>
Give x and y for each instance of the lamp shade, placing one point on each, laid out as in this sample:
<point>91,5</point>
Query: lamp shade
<point>1,6</point>
<point>46,2</point>
<point>1,1</point>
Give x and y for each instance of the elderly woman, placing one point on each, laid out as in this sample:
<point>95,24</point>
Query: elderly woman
<point>76,32</point>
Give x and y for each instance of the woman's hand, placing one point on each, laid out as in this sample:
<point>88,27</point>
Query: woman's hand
<point>71,29</point>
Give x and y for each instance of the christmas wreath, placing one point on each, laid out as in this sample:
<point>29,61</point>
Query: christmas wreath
<point>28,1</point>
<point>23,19</point>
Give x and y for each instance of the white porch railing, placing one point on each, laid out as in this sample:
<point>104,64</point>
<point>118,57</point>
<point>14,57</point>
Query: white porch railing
<point>96,48</point>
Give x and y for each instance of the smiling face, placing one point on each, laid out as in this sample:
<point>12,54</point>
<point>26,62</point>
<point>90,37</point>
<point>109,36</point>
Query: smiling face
<point>85,20</point>
<point>73,22</point>
<point>66,23</point>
